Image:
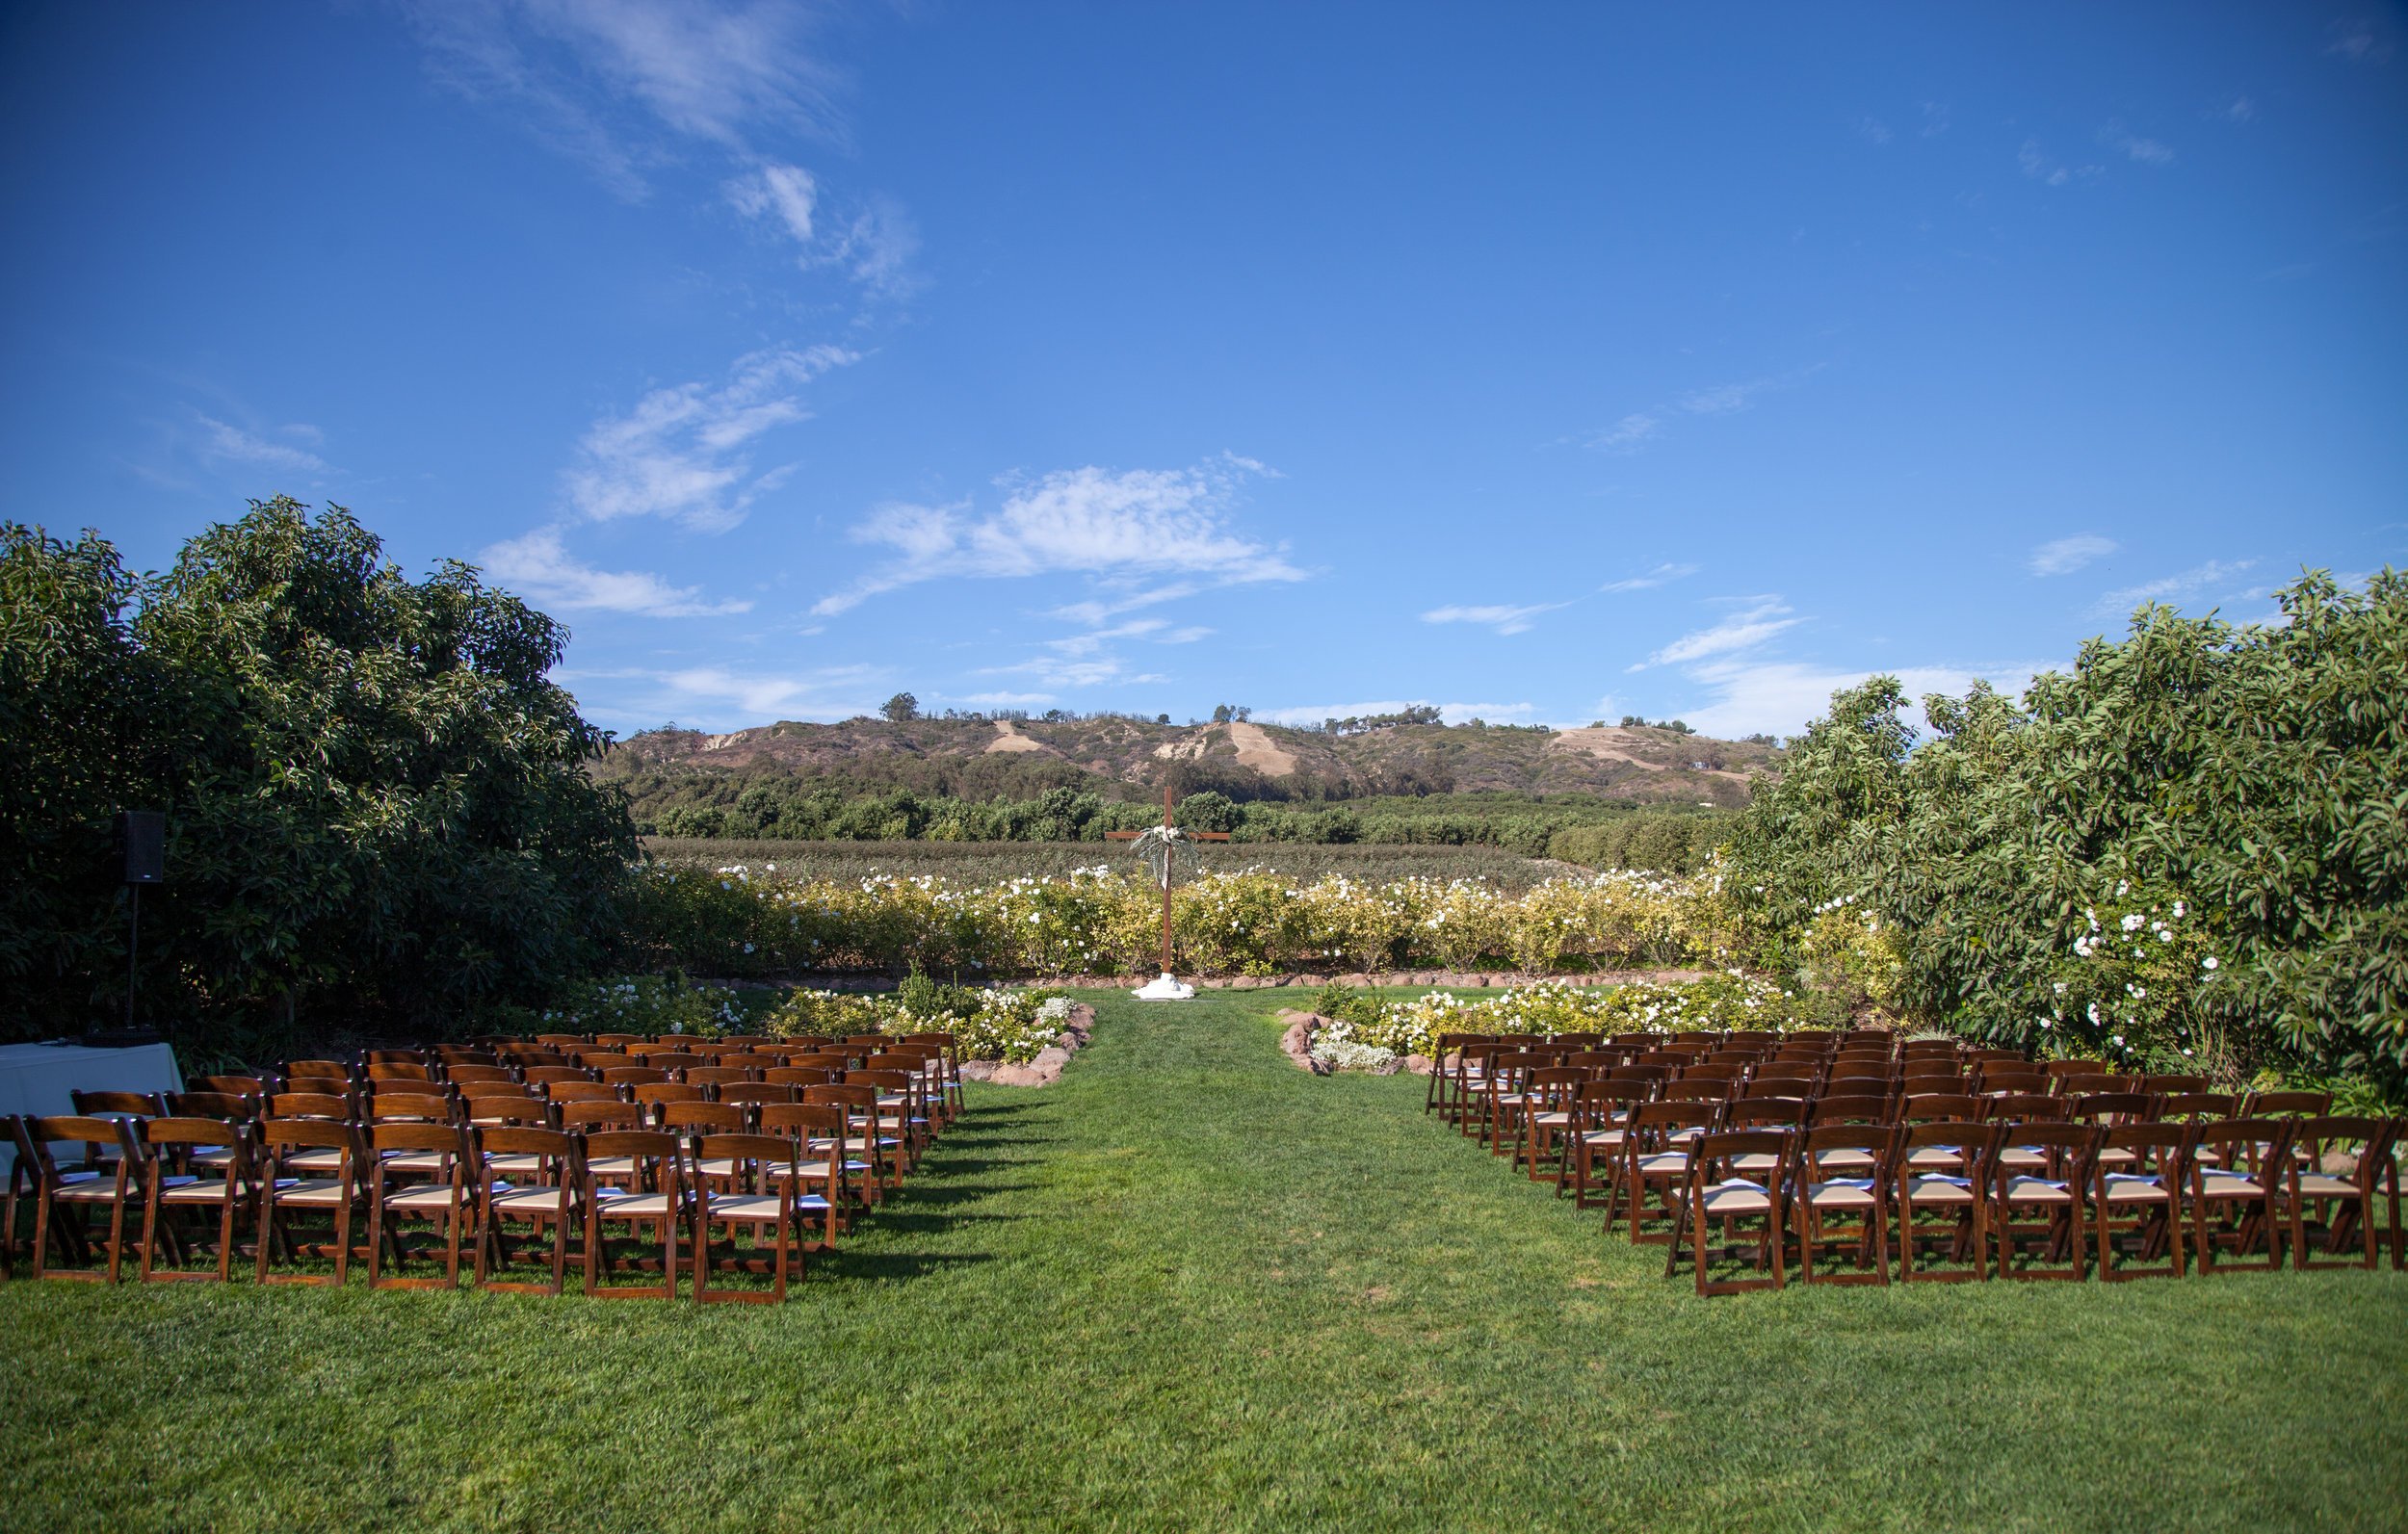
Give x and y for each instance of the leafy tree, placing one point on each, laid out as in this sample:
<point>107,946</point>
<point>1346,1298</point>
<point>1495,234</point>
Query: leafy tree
<point>901,708</point>
<point>2242,789</point>
<point>377,801</point>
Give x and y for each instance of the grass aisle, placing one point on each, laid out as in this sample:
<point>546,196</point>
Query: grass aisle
<point>1187,1288</point>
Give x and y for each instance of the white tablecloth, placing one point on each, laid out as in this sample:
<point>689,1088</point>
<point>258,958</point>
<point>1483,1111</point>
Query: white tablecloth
<point>37,1078</point>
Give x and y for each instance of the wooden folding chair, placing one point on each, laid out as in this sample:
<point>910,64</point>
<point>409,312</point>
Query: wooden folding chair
<point>1655,1159</point>
<point>2237,1178</point>
<point>820,1130</point>
<point>2053,1189</point>
<point>1599,1110</point>
<point>228,1181</point>
<point>310,1167</point>
<point>1714,1190</point>
<point>763,1196</point>
<point>1841,1203</point>
<point>416,1172</point>
<point>1942,1167</point>
<point>544,1194</point>
<point>652,1194</point>
<point>2340,1165</point>
<point>67,1198</point>
<point>2137,1191</point>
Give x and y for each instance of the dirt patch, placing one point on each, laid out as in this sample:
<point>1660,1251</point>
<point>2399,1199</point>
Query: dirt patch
<point>1257,750</point>
<point>1008,737</point>
<point>1612,744</point>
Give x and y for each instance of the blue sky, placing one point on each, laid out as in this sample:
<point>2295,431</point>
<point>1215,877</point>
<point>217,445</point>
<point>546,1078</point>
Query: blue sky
<point>1544,362</point>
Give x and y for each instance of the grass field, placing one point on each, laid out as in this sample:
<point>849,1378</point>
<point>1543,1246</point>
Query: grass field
<point>991,862</point>
<point>1190,1288</point>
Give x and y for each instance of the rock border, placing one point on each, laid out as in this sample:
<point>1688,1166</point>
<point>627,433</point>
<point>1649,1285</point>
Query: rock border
<point>1443,980</point>
<point>1046,1069</point>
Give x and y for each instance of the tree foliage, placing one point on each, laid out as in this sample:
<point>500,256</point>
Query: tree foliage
<point>2238,788</point>
<point>376,801</point>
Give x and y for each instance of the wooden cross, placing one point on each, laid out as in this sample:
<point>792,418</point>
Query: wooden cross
<point>1173,835</point>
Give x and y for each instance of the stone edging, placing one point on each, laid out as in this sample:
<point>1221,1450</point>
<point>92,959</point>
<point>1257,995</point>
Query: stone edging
<point>1297,1044</point>
<point>1046,1069</point>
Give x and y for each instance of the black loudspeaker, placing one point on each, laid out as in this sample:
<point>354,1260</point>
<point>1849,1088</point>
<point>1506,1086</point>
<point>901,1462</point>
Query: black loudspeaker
<point>144,834</point>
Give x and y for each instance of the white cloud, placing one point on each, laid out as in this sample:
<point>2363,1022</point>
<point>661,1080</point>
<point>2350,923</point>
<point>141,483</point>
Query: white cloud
<point>1750,626</point>
<point>540,567</point>
<point>875,250</point>
<point>2052,172</point>
<point>1935,119</point>
<point>1121,527</point>
<point>1660,575</point>
<point>227,442</point>
<point>2144,152</point>
<point>2197,581</point>
<point>1872,130</point>
<point>677,452</point>
<point>787,191</point>
<point>719,74</point>
<point>2241,109</point>
<point>1726,398</point>
<point>2355,38</point>
<point>1778,697</point>
<point>720,699</point>
<point>1504,619</point>
<point>2065,556</point>
<point>1009,700</point>
<point>1629,434</point>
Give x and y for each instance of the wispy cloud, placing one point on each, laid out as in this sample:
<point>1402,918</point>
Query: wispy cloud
<point>540,567</point>
<point>1872,130</point>
<point>1629,434</point>
<point>788,192</point>
<point>2241,109</point>
<point>2065,556</point>
<point>2134,147</point>
<point>1115,526</point>
<point>1502,619</point>
<point>1935,114</point>
<point>1778,697</point>
<point>1660,575</point>
<point>232,444</point>
<point>1751,625</point>
<point>2355,38</point>
<point>2039,167</point>
<point>1009,700</point>
<point>679,453</point>
<point>720,697</point>
<point>2200,579</point>
<point>716,74</point>
<point>1644,428</point>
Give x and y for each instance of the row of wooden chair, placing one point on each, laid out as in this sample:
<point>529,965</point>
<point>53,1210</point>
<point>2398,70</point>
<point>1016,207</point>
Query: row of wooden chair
<point>2026,1201</point>
<point>718,1199</point>
<point>258,1149</point>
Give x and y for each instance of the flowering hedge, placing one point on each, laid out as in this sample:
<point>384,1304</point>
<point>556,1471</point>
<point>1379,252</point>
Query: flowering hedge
<point>1011,1025</point>
<point>741,921</point>
<point>1729,1001</point>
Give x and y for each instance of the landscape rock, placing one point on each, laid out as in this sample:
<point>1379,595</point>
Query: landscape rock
<point>979,1070</point>
<point>1051,1059</point>
<point>1019,1076</point>
<point>1419,1064</point>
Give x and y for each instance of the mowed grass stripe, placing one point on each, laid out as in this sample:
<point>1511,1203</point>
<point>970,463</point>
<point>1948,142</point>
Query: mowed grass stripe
<point>1190,1286</point>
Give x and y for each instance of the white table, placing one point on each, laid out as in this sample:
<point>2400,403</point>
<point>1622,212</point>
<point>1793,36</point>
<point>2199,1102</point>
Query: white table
<point>37,1078</point>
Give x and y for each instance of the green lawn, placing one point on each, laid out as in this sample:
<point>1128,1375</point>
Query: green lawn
<point>1189,1286</point>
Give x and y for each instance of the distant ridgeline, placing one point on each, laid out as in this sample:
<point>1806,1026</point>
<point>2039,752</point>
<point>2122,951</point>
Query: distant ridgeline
<point>1605,795</point>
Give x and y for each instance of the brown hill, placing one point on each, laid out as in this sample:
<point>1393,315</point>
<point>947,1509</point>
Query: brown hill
<point>1123,757</point>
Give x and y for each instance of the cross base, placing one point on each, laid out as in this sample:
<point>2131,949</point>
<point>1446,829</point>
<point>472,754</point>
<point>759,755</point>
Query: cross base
<point>1166,987</point>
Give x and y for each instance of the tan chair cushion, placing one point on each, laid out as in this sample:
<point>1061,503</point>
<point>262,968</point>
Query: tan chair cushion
<point>1939,1190</point>
<point>1737,1198</point>
<point>310,1192</point>
<point>2036,1190</point>
<point>417,1200</point>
